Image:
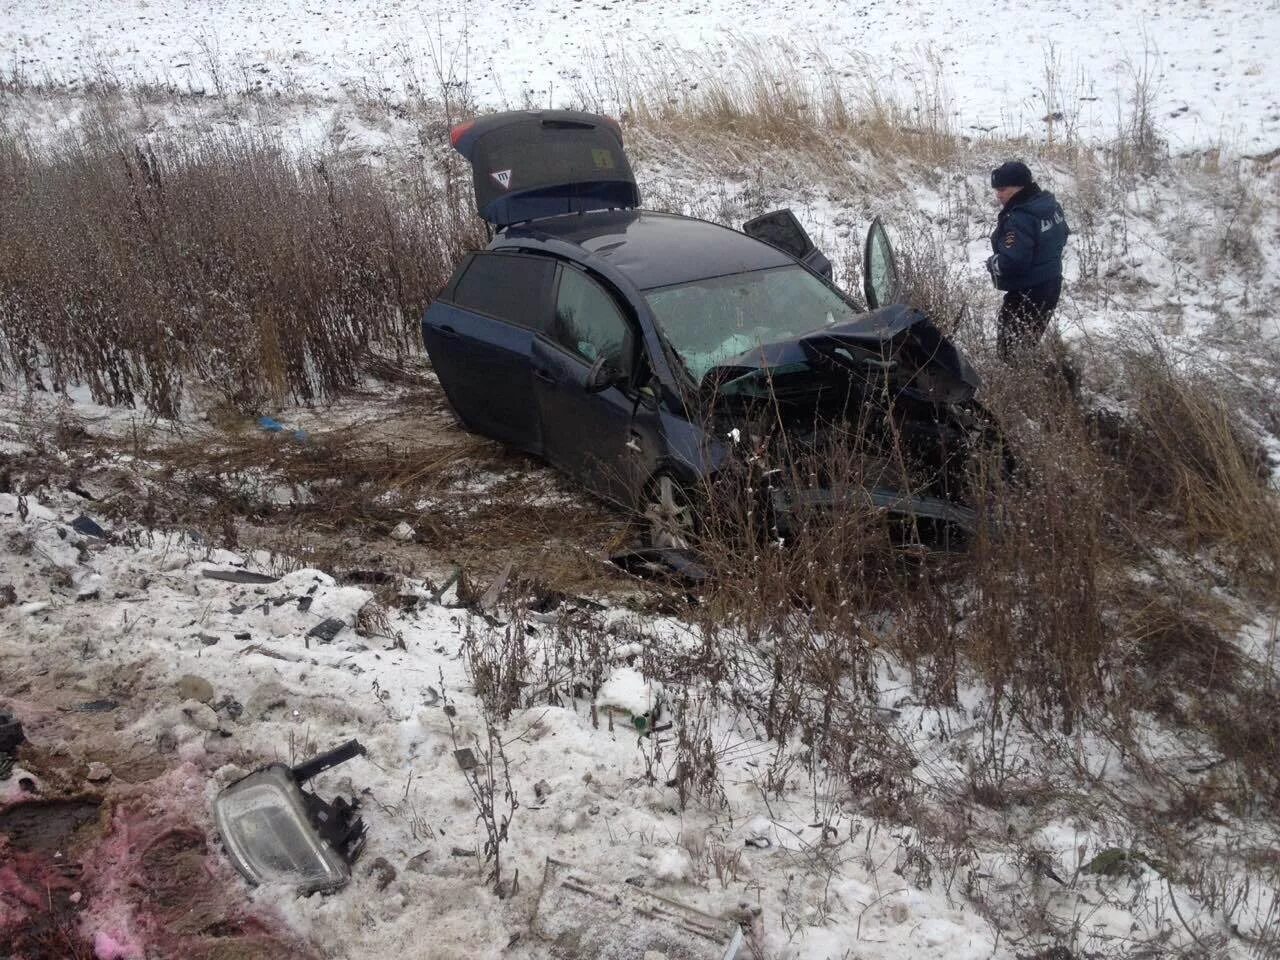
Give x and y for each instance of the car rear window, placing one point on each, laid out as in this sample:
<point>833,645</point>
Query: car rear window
<point>511,287</point>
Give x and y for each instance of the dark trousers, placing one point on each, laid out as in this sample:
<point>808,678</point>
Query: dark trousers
<point>1024,316</point>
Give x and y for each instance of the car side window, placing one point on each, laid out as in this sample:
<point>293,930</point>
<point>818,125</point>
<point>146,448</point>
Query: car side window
<point>589,323</point>
<point>509,286</point>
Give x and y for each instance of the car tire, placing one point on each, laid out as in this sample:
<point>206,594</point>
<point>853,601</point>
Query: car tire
<point>668,514</point>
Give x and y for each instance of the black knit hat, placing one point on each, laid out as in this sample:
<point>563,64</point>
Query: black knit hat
<point>1011,173</point>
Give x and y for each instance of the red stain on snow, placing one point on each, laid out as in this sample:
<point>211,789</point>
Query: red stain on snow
<point>149,884</point>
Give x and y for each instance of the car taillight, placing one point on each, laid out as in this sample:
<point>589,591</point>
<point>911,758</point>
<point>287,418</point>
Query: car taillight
<point>460,131</point>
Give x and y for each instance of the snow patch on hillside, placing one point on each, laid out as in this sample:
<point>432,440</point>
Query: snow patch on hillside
<point>1001,67</point>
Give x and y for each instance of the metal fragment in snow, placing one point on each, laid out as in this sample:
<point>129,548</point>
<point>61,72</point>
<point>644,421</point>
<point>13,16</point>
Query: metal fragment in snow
<point>587,918</point>
<point>237,576</point>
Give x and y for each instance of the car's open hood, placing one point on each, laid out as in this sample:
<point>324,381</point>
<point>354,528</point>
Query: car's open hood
<point>896,343</point>
<point>541,163</point>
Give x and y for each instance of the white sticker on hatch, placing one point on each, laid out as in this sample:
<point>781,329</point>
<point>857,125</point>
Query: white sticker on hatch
<point>503,177</point>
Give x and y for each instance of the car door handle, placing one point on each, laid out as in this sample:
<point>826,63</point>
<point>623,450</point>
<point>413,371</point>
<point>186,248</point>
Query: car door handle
<point>544,375</point>
<point>447,331</point>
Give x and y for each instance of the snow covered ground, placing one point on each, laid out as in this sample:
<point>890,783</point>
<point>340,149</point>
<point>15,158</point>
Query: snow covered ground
<point>1208,61</point>
<point>197,680</point>
<point>121,652</point>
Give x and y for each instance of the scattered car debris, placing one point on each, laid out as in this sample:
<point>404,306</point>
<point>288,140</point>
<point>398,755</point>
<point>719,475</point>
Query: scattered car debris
<point>586,917</point>
<point>96,706</point>
<point>366,577</point>
<point>466,758</point>
<point>237,576</point>
<point>274,831</point>
<point>490,598</point>
<point>326,630</point>
<point>402,532</point>
<point>11,736</point>
<point>454,579</point>
<point>85,525</point>
<point>662,562</point>
<point>272,425</point>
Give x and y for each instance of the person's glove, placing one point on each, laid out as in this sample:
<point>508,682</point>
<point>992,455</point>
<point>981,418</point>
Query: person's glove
<point>993,268</point>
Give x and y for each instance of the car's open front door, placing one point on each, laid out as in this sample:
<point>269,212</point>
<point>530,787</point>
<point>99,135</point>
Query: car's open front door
<point>781,229</point>
<point>880,284</point>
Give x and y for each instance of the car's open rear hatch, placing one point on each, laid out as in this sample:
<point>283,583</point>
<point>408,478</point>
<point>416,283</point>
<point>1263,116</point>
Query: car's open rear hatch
<point>541,163</point>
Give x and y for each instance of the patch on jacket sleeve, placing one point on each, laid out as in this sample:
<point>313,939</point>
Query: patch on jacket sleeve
<point>1010,239</point>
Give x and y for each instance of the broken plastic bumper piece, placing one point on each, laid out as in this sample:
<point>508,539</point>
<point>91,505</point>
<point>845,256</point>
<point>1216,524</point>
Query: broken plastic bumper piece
<point>786,503</point>
<point>276,832</point>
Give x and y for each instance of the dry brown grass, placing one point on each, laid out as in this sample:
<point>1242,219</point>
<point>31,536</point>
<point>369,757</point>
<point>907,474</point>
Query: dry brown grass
<point>1193,473</point>
<point>1080,596</point>
<point>780,94</point>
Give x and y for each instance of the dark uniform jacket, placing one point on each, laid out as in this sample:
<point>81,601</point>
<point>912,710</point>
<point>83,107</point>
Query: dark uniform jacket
<point>1031,233</point>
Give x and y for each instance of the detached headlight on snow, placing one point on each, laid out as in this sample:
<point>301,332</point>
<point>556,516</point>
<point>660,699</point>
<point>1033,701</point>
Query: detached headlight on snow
<point>274,831</point>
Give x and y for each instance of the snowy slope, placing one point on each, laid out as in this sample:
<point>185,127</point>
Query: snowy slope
<point>1209,62</point>
<point>210,678</point>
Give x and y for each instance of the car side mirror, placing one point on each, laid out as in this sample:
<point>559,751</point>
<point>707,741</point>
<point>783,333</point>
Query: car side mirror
<point>600,375</point>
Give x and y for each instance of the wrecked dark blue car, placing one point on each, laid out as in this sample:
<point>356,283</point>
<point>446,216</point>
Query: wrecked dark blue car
<point>635,350</point>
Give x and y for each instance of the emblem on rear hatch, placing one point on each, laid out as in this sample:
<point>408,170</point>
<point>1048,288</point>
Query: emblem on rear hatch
<point>503,177</point>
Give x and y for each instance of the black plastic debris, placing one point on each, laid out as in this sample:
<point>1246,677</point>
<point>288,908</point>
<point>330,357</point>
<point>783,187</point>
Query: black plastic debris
<point>374,577</point>
<point>326,630</point>
<point>80,491</point>
<point>238,576</point>
<point>11,735</point>
<point>275,831</point>
<point>86,526</point>
<point>662,562</point>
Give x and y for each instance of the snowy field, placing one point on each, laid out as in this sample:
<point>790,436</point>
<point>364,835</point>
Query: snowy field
<point>1001,66</point>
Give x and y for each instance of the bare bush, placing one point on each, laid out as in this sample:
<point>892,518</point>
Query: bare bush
<point>149,268</point>
<point>1138,148</point>
<point>488,775</point>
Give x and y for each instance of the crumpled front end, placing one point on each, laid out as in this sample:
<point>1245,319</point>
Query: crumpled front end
<point>876,417</point>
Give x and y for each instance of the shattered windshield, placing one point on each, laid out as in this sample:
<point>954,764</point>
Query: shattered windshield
<point>708,322</point>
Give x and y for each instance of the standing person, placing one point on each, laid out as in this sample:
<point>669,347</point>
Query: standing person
<point>1026,262</point>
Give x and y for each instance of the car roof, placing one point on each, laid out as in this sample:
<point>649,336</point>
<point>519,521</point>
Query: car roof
<point>653,249</point>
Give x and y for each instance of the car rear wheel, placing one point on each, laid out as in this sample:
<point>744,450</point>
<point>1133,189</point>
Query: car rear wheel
<point>670,520</point>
